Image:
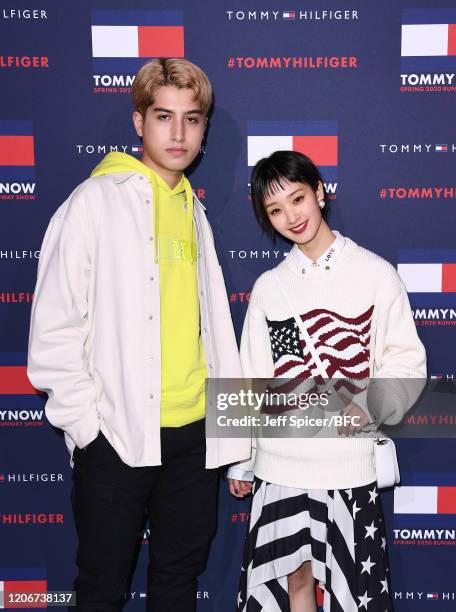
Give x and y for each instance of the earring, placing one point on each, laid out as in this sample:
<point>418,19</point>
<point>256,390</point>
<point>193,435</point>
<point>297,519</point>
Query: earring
<point>202,149</point>
<point>321,203</point>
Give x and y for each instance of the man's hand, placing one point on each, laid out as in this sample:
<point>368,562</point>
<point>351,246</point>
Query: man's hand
<point>239,488</point>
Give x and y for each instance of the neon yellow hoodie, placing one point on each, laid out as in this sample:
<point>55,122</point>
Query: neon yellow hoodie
<point>183,370</point>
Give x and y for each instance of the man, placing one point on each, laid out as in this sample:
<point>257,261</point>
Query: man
<point>127,272</point>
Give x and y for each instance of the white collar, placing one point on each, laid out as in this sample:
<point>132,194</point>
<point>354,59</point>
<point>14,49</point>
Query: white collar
<point>326,260</point>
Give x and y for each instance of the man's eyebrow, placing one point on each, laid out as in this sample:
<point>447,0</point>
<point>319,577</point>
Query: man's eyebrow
<point>159,109</point>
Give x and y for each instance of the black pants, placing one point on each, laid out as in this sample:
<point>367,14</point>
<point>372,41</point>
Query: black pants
<point>111,502</point>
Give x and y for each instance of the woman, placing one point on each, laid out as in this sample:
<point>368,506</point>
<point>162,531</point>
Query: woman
<point>316,514</point>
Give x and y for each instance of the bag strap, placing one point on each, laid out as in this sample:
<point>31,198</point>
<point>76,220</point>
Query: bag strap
<point>307,339</point>
<point>304,334</point>
<point>302,329</point>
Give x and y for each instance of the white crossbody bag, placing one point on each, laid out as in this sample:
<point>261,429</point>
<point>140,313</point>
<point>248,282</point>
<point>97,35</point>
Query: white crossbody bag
<point>385,457</point>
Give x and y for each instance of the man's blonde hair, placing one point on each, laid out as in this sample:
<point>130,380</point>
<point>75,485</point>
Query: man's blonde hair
<point>170,71</point>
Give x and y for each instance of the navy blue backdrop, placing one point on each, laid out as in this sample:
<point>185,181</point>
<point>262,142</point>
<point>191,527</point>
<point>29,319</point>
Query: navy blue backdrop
<point>367,89</point>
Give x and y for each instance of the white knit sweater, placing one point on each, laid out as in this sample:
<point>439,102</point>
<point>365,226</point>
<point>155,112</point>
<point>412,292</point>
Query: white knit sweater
<point>358,314</point>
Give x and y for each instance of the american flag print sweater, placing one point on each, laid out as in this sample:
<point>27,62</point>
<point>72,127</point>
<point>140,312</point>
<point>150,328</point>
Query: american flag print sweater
<point>358,316</point>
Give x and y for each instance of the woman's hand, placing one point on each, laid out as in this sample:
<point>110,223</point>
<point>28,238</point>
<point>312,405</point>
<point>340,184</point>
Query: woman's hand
<point>353,410</point>
<point>239,488</point>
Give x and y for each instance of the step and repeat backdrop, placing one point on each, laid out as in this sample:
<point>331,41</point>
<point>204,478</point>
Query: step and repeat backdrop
<point>368,90</point>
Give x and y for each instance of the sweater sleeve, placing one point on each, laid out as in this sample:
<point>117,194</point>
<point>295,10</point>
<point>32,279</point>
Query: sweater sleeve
<point>256,360</point>
<point>256,356</point>
<point>57,359</point>
<point>400,362</point>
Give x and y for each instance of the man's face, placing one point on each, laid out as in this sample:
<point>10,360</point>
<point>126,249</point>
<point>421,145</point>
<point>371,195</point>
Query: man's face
<point>172,131</point>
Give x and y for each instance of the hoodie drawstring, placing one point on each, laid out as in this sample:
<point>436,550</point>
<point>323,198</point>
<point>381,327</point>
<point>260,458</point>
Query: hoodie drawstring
<point>189,200</point>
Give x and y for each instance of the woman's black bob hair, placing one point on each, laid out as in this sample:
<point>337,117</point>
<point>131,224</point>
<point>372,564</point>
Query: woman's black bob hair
<point>266,180</point>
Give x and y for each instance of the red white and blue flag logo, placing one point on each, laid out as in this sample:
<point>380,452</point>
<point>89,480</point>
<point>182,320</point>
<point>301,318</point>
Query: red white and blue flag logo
<point>17,151</point>
<point>123,40</point>
<point>428,40</point>
<point>434,596</point>
<point>425,500</point>
<point>425,272</point>
<point>15,581</point>
<point>316,139</point>
<point>13,375</point>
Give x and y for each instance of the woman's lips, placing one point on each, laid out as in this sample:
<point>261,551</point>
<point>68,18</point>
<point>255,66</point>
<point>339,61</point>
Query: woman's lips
<point>299,229</point>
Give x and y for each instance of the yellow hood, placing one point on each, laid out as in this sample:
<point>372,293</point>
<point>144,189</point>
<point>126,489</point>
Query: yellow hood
<point>116,162</point>
<point>120,162</point>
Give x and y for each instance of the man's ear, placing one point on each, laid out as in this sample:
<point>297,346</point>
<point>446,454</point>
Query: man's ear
<point>138,122</point>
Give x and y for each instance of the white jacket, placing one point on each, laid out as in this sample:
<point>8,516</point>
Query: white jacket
<point>95,328</point>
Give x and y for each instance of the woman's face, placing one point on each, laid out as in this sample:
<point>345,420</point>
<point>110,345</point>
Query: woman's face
<point>294,211</point>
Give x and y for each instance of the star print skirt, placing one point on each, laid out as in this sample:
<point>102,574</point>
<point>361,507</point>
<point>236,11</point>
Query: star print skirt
<point>342,534</point>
